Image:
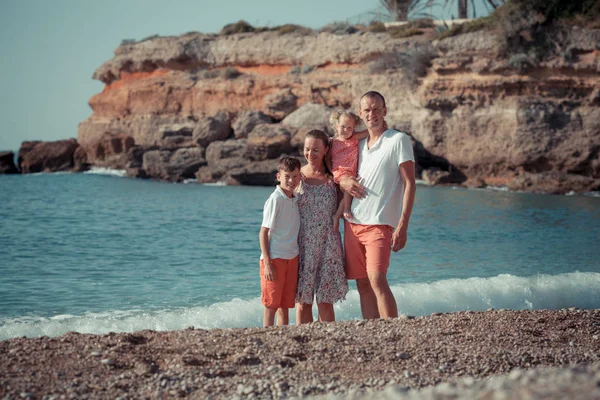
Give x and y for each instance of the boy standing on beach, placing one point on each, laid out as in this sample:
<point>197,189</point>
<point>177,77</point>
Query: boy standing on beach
<point>279,245</point>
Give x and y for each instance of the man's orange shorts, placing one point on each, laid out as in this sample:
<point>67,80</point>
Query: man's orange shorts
<point>280,293</point>
<point>367,248</point>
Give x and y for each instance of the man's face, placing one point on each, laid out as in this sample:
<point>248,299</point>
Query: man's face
<point>372,112</point>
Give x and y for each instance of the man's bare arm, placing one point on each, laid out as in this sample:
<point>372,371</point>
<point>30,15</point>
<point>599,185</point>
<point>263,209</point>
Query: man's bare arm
<point>400,235</point>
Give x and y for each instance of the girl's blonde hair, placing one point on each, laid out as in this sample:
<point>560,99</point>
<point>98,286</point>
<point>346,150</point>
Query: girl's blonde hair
<point>337,114</point>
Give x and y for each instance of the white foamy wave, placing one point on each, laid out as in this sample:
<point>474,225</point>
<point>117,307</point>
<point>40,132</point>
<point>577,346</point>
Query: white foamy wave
<point>592,194</point>
<point>106,171</point>
<point>220,183</point>
<point>577,289</point>
<point>422,182</point>
<point>497,188</point>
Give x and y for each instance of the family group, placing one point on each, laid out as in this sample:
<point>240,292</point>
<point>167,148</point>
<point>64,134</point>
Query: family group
<point>302,258</point>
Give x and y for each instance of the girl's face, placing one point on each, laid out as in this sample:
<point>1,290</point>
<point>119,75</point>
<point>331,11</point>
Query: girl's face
<point>345,127</point>
<point>314,150</point>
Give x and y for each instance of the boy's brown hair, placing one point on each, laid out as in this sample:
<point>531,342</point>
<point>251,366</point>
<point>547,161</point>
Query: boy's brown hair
<point>288,164</point>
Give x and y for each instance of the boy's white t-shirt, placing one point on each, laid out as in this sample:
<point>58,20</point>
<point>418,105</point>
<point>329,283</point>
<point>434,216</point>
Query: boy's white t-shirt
<point>378,168</point>
<point>282,217</point>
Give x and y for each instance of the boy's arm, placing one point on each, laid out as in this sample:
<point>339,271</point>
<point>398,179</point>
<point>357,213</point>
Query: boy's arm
<point>263,238</point>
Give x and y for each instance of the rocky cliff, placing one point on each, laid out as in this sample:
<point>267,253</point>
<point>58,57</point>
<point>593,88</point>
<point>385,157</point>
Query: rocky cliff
<point>224,108</point>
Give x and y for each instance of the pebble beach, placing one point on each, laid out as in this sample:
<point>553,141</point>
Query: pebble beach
<point>436,356</point>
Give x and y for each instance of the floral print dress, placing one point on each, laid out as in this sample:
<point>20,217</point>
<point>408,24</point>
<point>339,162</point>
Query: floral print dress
<point>321,265</point>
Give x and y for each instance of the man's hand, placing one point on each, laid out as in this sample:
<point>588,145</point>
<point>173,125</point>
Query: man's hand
<point>399,238</point>
<point>349,184</point>
<point>269,271</point>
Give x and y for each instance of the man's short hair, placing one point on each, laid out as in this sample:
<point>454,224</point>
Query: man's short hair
<point>288,164</point>
<point>373,94</point>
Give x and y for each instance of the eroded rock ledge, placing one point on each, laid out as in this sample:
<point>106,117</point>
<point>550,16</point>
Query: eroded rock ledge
<point>224,108</point>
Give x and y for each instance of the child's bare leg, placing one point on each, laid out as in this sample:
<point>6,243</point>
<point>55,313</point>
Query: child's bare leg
<point>303,313</point>
<point>269,316</point>
<point>283,316</point>
<point>347,206</point>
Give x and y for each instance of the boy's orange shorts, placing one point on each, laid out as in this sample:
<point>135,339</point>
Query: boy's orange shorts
<point>280,293</point>
<point>367,248</point>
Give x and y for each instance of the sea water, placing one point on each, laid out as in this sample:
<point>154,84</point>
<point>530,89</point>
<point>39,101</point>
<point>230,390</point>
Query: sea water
<point>96,253</point>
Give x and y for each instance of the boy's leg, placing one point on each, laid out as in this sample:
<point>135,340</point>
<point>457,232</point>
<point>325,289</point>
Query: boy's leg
<point>326,312</point>
<point>269,316</point>
<point>347,206</point>
<point>290,285</point>
<point>271,291</point>
<point>283,316</point>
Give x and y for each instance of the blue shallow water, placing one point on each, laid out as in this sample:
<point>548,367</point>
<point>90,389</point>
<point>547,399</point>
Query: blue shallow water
<point>97,253</point>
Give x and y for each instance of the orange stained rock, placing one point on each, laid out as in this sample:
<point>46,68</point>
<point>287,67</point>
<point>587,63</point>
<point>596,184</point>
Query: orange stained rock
<point>265,69</point>
<point>133,76</point>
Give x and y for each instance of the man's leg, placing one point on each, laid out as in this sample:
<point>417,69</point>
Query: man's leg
<point>377,239</point>
<point>368,300</point>
<point>386,303</point>
<point>356,268</point>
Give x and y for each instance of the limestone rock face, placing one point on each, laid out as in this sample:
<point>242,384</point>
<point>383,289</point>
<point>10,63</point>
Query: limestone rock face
<point>475,118</point>
<point>7,163</point>
<point>209,129</point>
<point>173,165</point>
<point>310,114</point>
<point>247,120</point>
<point>40,156</point>
<point>268,141</point>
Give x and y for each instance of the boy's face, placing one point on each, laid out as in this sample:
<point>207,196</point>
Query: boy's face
<point>288,180</point>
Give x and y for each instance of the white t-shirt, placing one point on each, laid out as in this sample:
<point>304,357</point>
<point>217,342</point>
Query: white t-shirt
<point>379,169</point>
<point>282,217</point>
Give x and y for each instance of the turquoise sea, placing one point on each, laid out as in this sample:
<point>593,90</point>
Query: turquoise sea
<point>97,252</point>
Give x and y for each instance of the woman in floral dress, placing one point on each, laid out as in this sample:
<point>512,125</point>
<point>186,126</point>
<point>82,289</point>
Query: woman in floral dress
<point>321,268</point>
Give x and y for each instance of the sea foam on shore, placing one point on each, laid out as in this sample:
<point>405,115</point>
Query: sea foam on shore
<point>577,289</point>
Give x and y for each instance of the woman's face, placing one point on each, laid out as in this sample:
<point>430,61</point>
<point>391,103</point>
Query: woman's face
<point>314,150</point>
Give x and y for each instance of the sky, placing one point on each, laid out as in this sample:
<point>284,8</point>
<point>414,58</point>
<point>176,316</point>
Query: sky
<point>49,49</point>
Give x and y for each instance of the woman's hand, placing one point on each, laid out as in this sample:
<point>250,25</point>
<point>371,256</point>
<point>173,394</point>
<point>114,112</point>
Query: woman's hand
<point>336,222</point>
<point>349,184</point>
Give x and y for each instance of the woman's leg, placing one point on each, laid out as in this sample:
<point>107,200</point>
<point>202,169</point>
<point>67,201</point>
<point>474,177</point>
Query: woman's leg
<point>326,312</point>
<point>303,313</point>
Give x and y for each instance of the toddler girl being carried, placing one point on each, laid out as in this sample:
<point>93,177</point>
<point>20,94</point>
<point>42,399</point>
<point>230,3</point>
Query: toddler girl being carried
<point>344,154</point>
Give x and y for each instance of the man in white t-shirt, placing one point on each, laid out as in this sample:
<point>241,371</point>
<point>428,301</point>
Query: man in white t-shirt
<point>383,202</point>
